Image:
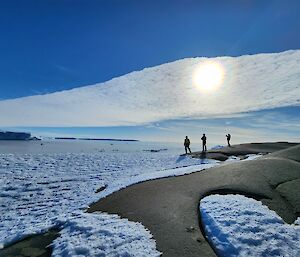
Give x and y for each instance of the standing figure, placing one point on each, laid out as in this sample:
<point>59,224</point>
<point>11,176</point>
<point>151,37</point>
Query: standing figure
<point>228,137</point>
<point>203,138</point>
<point>187,143</point>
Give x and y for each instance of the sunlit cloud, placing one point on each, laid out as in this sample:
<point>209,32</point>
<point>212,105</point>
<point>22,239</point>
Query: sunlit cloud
<point>208,76</point>
<point>167,92</point>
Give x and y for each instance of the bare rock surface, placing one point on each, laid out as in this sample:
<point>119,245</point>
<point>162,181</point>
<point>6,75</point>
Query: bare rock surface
<point>168,207</point>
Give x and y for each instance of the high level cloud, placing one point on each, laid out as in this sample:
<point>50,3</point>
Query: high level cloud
<point>165,92</point>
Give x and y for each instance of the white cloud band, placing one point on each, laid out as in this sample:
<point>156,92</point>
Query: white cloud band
<point>252,82</point>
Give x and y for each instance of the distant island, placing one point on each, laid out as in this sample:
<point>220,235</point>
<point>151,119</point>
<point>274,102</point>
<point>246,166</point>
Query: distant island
<point>9,135</point>
<point>97,139</point>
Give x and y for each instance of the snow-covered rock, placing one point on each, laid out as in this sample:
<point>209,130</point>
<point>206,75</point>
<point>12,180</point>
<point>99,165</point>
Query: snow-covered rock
<point>100,234</point>
<point>39,191</point>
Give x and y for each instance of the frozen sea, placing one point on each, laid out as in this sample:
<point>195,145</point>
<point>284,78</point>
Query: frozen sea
<point>50,183</point>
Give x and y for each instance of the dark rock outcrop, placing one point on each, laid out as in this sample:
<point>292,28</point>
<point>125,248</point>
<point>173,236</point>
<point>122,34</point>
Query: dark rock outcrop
<point>168,207</point>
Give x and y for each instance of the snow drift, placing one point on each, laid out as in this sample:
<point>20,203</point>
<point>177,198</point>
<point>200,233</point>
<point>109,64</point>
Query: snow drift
<point>252,82</point>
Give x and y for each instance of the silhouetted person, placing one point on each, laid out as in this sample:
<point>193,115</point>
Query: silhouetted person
<point>203,138</point>
<point>187,143</point>
<point>228,137</point>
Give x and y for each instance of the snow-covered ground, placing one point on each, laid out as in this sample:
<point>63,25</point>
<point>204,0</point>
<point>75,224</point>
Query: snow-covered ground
<point>39,191</point>
<point>165,92</point>
<point>101,234</point>
<point>241,226</point>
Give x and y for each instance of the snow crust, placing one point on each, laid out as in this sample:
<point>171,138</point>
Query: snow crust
<point>241,226</point>
<point>252,82</point>
<point>40,191</point>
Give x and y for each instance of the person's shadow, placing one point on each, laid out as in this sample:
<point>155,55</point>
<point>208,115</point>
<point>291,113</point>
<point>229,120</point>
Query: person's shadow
<point>202,157</point>
<point>180,158</point>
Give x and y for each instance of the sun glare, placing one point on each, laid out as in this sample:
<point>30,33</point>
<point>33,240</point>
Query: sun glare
<point>208,76</point>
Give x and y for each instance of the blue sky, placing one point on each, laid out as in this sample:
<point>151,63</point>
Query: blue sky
<point>49,46</point>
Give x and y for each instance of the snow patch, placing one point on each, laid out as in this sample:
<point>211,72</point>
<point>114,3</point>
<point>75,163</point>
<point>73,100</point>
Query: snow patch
<point>217,147</point>
<point>240,226</point>
<point>100,234</point>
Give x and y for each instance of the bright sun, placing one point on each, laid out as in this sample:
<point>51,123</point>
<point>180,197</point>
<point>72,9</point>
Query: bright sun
<point>208,76</point>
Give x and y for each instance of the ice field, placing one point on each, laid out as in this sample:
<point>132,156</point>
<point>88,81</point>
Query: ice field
<point>40,191</point>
